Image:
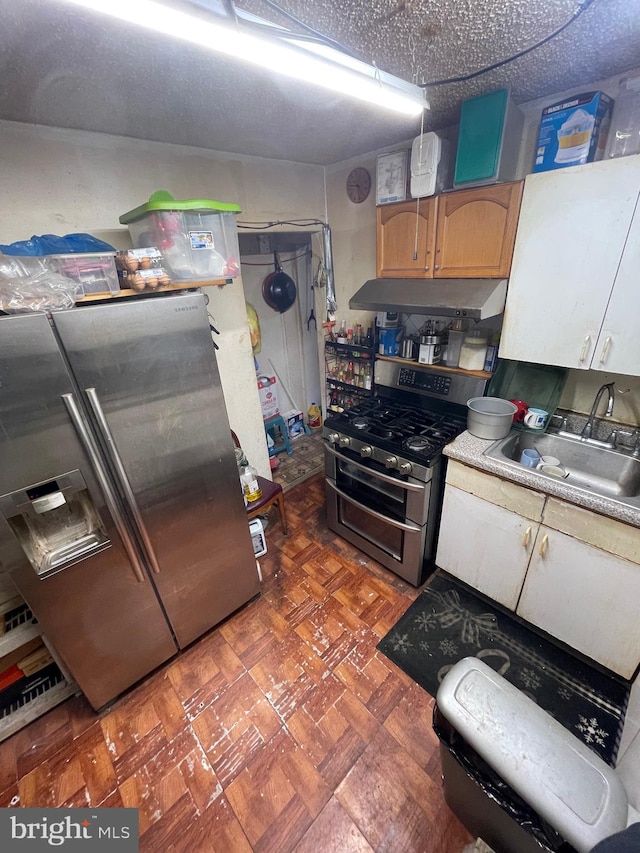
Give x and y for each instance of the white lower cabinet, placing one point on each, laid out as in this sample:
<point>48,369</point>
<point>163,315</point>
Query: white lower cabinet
<point>485,545</point>
<point>567,570</point>
<point>586,597</point>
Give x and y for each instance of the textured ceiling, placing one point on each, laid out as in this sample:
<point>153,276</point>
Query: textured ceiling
<point>60,65</point>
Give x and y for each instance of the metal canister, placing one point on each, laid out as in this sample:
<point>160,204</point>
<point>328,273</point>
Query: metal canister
<point>430,349</point>
<point>408,348</point>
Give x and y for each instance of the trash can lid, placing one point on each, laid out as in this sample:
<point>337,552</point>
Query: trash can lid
<point>566,783</point>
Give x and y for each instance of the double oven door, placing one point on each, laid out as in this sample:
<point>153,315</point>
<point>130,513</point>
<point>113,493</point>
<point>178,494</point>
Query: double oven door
<point>390,517</point>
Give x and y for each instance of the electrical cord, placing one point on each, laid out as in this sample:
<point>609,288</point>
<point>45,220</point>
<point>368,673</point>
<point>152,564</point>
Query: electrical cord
<point>582,7</point>
<point>263,226</point>
<point>285,260</point>
<point>318,35</point>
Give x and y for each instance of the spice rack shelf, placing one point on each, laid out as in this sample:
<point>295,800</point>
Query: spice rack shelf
<point>349,374</point>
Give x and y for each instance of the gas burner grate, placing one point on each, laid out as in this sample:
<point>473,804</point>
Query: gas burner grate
<point>418,444</point>
<point>361,422</point>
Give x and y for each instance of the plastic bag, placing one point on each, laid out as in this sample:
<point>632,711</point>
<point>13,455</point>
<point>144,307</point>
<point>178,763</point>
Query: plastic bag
<point>44,291</point>
<point>51,244</point>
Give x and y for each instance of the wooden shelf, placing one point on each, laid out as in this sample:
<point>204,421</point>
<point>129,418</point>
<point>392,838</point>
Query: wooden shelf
<point>36,708</point>
<point>185,285</point>
<point>12,640</point>
<point>479,374</point>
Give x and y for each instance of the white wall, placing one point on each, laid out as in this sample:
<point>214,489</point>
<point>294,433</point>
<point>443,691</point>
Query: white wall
<point>287,345</point>
<point>61,181</point>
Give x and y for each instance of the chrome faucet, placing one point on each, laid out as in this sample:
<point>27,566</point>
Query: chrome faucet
<point>588,427</point>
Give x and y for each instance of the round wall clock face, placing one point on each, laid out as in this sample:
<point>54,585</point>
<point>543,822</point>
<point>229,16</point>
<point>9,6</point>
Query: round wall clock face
<point>358,185</point>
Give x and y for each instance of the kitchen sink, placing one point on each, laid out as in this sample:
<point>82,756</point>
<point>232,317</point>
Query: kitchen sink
<point>610,473</point>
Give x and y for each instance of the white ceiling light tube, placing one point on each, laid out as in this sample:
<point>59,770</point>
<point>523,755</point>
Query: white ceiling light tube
<point>308,62</point>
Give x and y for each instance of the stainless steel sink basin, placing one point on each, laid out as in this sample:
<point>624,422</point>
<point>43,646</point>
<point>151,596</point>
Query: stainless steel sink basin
<point>610,473</point>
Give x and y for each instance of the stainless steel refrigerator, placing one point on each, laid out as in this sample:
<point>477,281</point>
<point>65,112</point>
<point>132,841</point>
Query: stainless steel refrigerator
<point>122,521</point>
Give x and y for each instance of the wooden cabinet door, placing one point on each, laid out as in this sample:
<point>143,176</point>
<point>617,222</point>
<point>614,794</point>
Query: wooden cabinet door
<point>476,231</point>
<point>405,239</point>
<point>571,234</point>
<point>618,346</point>
<point>585,597</point>
<point>484,545</point>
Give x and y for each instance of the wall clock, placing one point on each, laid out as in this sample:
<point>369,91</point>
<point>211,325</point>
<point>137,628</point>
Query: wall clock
<point>358,185</point>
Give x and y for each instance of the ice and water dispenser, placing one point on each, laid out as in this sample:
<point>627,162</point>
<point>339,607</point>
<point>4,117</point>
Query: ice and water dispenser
<point>55,522</point>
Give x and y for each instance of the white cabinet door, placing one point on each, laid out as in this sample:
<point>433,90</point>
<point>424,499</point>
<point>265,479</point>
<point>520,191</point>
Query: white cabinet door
<point>618,347</point>
<point>571,232</point>
<point>585,597</point>
<point>484,545</point>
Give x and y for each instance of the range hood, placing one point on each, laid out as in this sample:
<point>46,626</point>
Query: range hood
<point>477,298</point>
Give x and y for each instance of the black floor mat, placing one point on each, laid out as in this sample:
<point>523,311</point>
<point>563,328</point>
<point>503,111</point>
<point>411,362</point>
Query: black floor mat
<point>448,622</point>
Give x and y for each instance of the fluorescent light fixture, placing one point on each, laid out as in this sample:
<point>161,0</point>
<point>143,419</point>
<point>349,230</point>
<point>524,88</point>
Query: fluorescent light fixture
<point>307,61</point>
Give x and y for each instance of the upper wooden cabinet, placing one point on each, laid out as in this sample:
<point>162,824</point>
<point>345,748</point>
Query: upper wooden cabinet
<point>405,239</point>
<point>463,234</point>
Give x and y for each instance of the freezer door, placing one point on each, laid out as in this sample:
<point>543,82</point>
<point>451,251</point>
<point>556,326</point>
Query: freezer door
<point>98,607</point>
<point>149,378</point>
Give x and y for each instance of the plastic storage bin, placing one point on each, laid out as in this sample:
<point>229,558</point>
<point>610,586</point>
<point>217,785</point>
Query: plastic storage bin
<point>198,238</point>
<point>513,775</point>
<point>96,272</point>
<point>489,140</point>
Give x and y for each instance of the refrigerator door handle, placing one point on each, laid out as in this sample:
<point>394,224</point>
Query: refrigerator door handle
<point>96,463</point>
<point>116,460</point>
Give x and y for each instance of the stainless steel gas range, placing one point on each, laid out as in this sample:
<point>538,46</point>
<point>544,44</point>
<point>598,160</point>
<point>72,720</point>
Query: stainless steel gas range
<point>384,468</point>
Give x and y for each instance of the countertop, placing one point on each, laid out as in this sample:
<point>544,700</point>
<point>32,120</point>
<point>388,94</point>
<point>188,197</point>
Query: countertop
<point>469,450</point>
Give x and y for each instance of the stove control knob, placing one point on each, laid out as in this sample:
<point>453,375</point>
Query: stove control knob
<point>344,441</point>
<point>366,450</point>
<point>405,468</point>
<point>333,437</point>
<point>391,462</point>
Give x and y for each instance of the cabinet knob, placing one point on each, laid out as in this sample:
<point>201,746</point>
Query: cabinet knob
<point>543,545</point>
<point>436,267</point>
<point>605,349</point>
<point>426,267</point>
<point>526,537</point>
<point>585,346</point>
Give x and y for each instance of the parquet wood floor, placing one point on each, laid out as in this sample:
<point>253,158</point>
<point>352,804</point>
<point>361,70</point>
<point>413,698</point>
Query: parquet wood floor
<point>283,729</point>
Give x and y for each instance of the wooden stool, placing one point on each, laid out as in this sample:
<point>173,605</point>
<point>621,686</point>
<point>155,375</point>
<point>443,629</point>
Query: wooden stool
<point>271,493</point>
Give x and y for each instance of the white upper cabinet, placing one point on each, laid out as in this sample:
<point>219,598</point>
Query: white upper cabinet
<point>572,300</point>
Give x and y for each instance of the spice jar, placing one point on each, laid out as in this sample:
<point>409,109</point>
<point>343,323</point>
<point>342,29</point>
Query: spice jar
<point>474,350</point>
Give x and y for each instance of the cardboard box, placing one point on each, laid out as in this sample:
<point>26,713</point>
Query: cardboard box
<point>294,420</point>
<point>268,396</point>
<point>573,132</point>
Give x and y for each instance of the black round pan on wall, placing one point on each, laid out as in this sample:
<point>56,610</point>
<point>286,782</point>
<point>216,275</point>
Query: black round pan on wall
<point>278,289</point>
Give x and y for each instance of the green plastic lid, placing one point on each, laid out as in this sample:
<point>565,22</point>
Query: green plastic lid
<point>163,200</point>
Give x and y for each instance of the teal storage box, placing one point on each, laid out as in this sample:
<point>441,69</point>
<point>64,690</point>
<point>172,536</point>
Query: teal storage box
<point>489,140</point>
<point>573,132</point>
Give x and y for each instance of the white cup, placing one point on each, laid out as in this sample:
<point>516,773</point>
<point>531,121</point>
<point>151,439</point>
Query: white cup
<point>553,470</point>
<point>548,460</point>
<point>536,418</point>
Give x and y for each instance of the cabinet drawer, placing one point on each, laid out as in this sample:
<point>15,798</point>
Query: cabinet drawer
<point>503,493</point>
<point>597,530</point>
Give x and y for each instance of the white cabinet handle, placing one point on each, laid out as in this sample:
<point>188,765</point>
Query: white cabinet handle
<point>605,349</point>
<point>543,545</point>
<point>585,347</point>
<point>526,537</point>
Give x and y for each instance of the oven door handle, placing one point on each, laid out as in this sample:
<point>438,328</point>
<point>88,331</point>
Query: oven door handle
<point>409,487</point>
<point>409,528</point>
